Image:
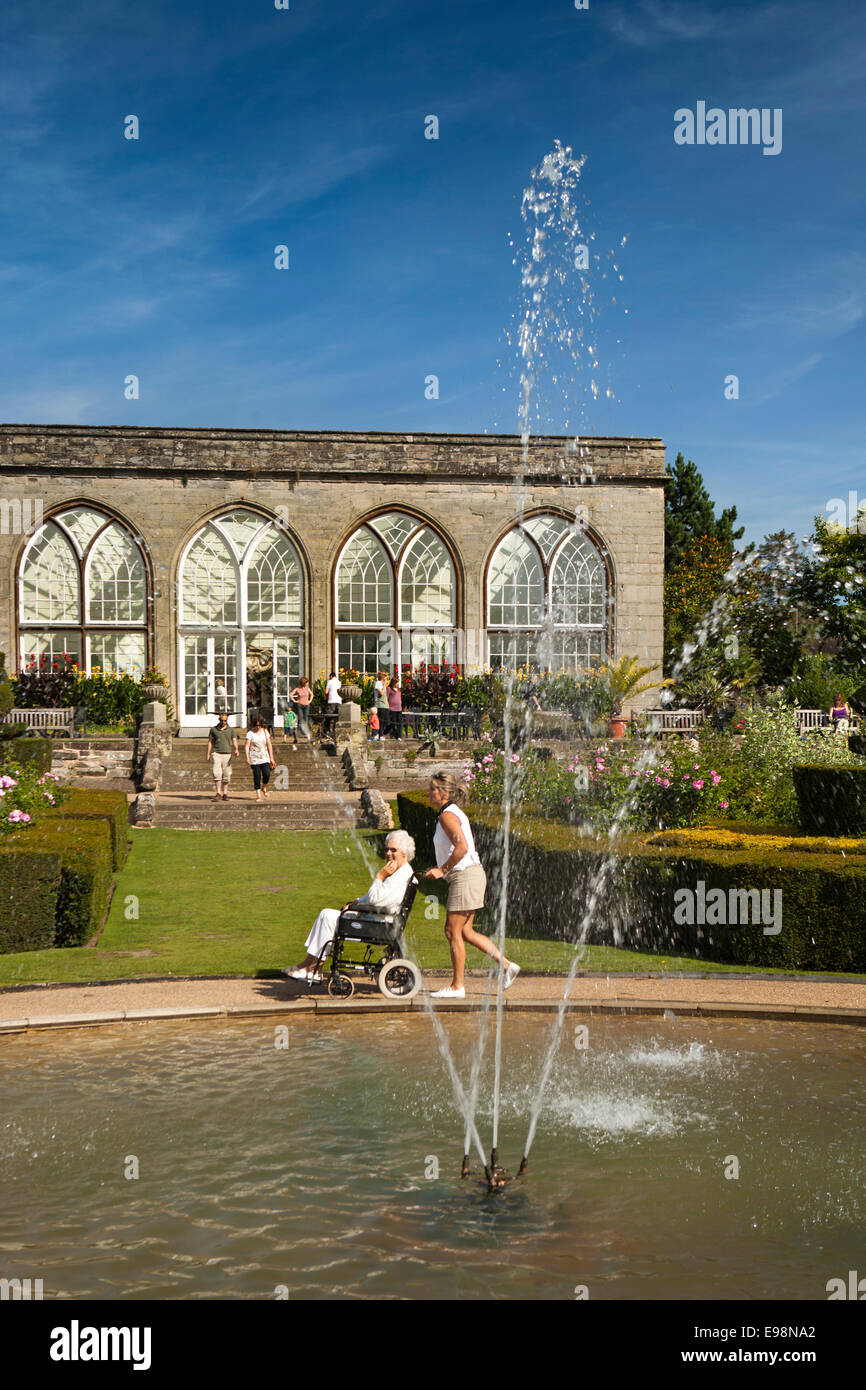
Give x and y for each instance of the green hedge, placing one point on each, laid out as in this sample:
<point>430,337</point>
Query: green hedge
<point>95,804</point>
<point>832,800</point>
<point>553,872</point>
<point>29,889</point>
<point>84,847</point>
<point>35,751</point>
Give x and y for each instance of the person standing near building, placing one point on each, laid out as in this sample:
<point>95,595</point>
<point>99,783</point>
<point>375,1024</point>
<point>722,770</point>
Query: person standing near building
<point>395,708</point>
<point>333,699</point>
<point>302,696</point>
<point>260,756</point>
<point>380,700</point>
<point>221,743</point>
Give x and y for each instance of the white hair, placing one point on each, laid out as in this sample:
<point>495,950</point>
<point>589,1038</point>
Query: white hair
<point>401,839</point>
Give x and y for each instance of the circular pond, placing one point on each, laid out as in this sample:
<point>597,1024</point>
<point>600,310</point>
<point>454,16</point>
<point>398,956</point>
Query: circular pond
<point>330,1166</point>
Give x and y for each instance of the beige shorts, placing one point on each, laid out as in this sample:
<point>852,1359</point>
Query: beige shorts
<point>221,766</point>
<point>466,889</point>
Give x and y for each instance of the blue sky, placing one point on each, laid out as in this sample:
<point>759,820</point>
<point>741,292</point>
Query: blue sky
<point>306,127</point>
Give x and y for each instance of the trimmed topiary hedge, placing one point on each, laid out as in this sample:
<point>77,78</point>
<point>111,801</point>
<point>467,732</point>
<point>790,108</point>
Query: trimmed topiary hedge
<point>34,752</point>
<point>644,891</point>
<point>29,889</point>
<point>84,847</point>
<point>832,800</point>
<point>86,803</point>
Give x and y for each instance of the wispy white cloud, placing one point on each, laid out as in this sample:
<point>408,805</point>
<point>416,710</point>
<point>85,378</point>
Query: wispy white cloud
<point>650,24</point>
<point>780,381</point>
<point>821,299</point>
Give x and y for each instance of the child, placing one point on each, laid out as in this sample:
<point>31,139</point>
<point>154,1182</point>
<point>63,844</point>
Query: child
<point>375,736</point>
<point>290,726</point>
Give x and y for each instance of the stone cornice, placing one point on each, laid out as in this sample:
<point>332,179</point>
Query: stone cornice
<point>295,454</point>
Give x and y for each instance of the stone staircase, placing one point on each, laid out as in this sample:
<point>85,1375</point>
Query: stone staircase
<point>308,791</point>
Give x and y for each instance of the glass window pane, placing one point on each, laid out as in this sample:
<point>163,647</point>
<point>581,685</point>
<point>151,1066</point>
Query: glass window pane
<point>209,582</point>
<point>546,531</point>
<point>274,581</point>
<point>427,583</point>
<point>83,523</point>
<point>578,584</point>
<point>359,651</point>
<point>240,526</point>
<point>49,579</point>
<point>394,527</point>
<point>115,578</point>
<point>515,584</point>
<point>54,646</point>
<point>364,582</point>
<point>118,651</point>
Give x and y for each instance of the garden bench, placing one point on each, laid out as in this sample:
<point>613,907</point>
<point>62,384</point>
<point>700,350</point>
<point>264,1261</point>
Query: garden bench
<point>669,721</point>
<point>48,721</point>
<point>810,719</point>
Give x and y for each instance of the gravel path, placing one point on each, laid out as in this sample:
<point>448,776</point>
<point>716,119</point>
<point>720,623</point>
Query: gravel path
<point>722,994</point>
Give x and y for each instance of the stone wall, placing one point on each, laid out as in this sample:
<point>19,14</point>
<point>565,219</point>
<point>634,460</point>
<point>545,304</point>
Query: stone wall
<point>93,757</point>
<point>165,483</point>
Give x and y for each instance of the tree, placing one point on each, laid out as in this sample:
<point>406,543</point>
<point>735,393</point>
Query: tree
<point>833,586</point>
<point>691,588</point>
<point>690,513</point>
<point>766,609</point>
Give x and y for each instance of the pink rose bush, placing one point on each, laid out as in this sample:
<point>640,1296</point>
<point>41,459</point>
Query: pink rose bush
<point>23,795</point>
<point>593,786</point>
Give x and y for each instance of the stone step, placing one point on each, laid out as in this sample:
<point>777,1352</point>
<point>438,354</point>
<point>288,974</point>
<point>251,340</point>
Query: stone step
<point>203,782</point>
<point>272,818</point>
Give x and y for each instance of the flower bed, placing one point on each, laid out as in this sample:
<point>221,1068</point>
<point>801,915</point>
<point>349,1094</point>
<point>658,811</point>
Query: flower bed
<point>555,871</point>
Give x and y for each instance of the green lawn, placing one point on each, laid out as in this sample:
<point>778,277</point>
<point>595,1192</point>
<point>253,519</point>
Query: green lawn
<point>192,903</point>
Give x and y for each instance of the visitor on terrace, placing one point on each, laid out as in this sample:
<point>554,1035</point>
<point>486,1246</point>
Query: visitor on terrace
<point>387,890</point>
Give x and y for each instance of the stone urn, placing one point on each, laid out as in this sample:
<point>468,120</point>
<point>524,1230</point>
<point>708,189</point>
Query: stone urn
<point>155,691</point>
<point>350,692</point>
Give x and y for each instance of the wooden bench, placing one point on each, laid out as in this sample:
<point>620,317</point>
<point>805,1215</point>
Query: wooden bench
<point>669,721</point>
<point>48,721</point>
<point>810,719</point>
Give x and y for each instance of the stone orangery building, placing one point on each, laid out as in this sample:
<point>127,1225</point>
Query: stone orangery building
<point>254,556</point>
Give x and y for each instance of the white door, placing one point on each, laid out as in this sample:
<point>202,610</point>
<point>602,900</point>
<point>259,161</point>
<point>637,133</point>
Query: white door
<point>206,661</point>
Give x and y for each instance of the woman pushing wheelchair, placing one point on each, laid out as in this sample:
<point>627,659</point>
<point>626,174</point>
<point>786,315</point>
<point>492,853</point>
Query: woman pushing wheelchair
<point>458,863</point>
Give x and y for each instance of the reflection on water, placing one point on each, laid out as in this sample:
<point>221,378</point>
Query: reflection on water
<point>306,1167</point>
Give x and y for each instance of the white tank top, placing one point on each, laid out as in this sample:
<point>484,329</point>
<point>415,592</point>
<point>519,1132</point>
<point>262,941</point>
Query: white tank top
<point>442,846</point>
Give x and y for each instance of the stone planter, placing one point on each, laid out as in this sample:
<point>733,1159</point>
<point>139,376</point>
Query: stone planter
<point>617,725</point>
<point>350,692</point>
<point>156,692</point>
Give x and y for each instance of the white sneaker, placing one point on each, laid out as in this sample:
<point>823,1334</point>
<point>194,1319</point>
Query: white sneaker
<point>511,975</point>
<point>448,994</point>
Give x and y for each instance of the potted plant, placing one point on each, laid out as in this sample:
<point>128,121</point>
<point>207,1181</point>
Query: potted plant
<point>625,680</point>
<point>155,685</point>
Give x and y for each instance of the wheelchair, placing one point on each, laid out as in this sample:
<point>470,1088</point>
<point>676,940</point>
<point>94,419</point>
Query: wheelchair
<point>379,931</point>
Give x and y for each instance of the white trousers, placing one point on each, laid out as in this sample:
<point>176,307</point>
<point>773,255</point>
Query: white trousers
<point>324,930</point>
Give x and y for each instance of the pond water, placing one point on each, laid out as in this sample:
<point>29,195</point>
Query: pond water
<point>306,1167</point>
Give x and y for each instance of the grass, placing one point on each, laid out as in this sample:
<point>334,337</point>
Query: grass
<point>235,903</point>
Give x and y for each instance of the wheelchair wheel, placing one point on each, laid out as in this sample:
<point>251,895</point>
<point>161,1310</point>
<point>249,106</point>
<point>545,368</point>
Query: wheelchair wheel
<point>341,987</point>
<point>400,979</point>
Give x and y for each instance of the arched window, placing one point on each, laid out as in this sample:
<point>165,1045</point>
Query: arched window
<point>547,597</point>
<point>241,618</point>
<point>83,594</point>
<point>395,595</point>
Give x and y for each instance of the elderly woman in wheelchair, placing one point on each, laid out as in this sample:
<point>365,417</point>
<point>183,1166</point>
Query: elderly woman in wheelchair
<point>375,920</point>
